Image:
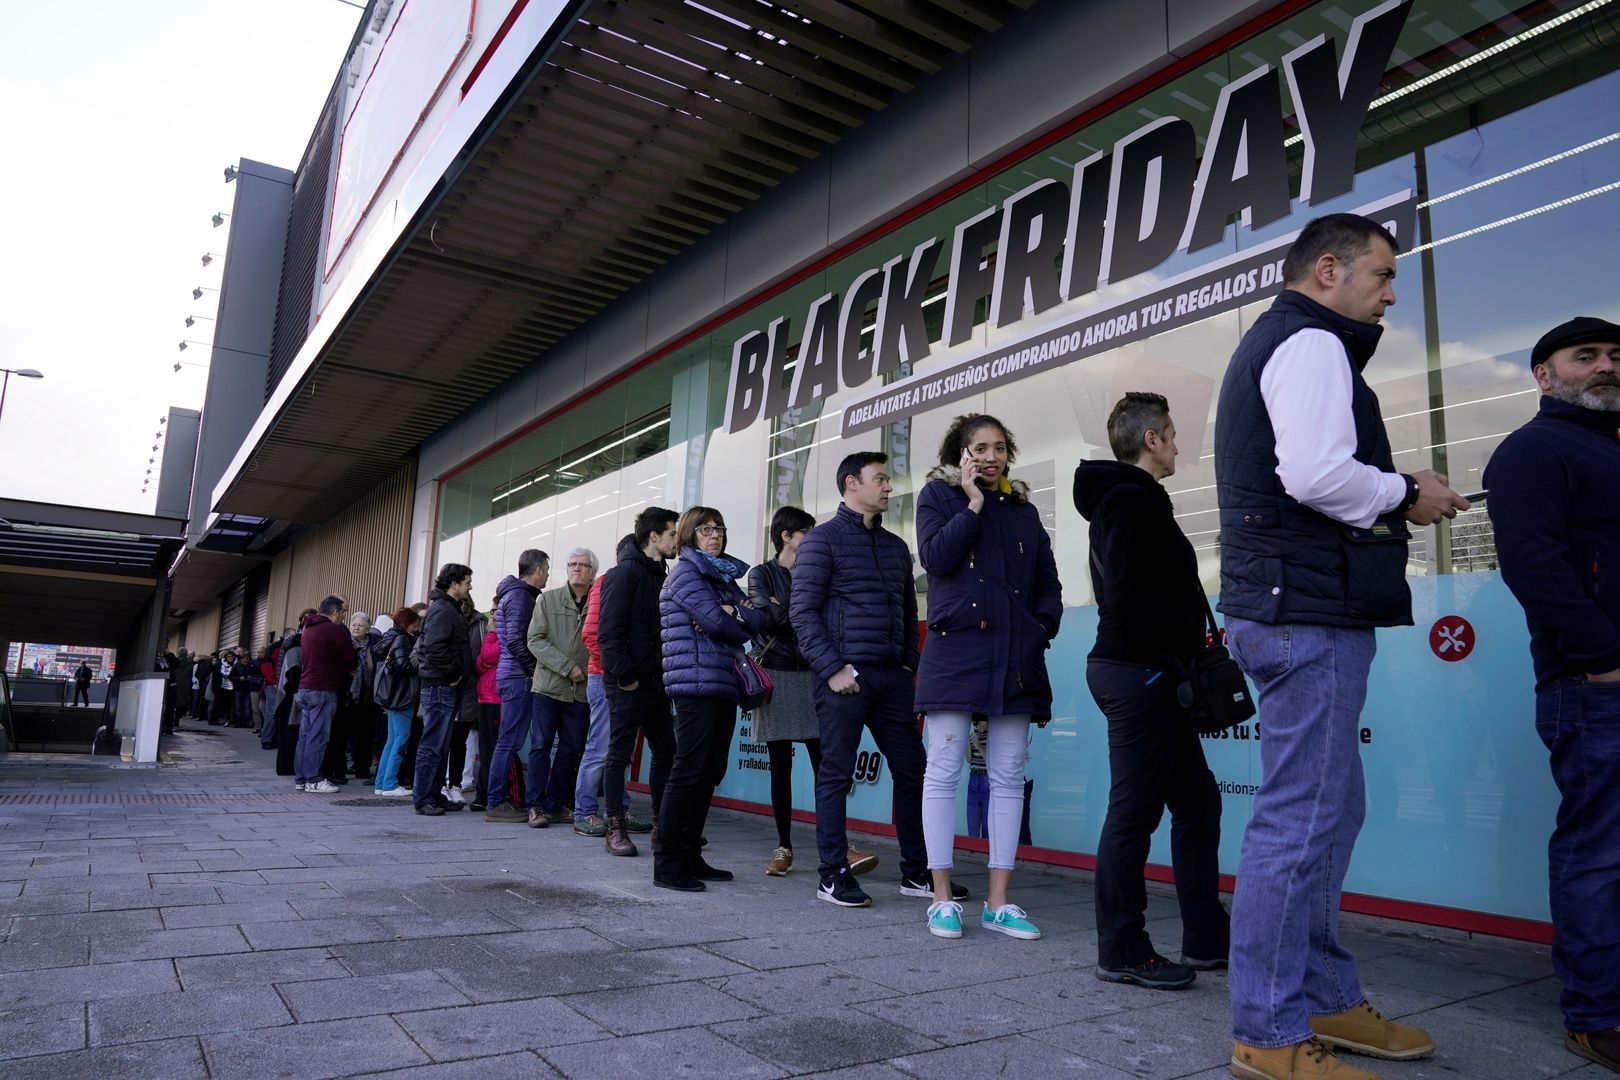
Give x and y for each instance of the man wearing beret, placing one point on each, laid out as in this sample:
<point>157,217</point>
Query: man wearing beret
<point>1555,505</point>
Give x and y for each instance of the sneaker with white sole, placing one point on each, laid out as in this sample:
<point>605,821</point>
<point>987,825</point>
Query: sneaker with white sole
<point>298,786</point>
<point>397,791</point>
<point>324,787</point>
<point>842,890</point>
<point>924,886</point>
<point>945,919</point>
<point>454,795</point>
<point>1009,919</point>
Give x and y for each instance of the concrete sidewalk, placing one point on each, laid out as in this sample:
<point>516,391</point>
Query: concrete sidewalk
<point>204,920</point>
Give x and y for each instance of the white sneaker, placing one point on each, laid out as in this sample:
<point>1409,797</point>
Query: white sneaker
<point>324,787</point>
<point>298,786</point>
<point>393,791</point>
<point>454,795</point>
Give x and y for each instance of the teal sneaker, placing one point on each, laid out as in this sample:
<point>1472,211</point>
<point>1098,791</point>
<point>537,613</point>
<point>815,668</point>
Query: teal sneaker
<point>1009,919</point>
<point>945,919</point>
<point>635,824</point>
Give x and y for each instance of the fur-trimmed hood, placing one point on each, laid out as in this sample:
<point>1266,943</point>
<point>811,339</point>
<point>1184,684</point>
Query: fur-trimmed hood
<point>953,476</point>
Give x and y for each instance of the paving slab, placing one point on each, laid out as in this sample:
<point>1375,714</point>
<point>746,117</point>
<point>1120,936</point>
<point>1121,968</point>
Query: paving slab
<point>88,983</point>
<point>478,1030</point>
<point>369,995</point>
<point>42,1029</point>
<point>198,1012</point>
<point>691,1052</point>
<point>659,1008</point>
<point>313,1051</point>
<point>522,1066</point>
<point>170,1059</point>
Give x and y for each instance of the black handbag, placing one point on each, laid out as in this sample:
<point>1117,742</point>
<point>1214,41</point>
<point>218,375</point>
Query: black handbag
<point>754,684</point>
<point>1212,688</point>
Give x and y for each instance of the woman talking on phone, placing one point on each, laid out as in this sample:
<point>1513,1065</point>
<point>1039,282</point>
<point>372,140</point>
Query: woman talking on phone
<point>994,603</point>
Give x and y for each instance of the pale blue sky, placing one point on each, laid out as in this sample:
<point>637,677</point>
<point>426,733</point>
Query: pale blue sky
<point>117,120</point>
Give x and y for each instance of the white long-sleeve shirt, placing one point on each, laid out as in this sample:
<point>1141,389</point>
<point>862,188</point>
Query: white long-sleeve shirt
<point>1306,387</point>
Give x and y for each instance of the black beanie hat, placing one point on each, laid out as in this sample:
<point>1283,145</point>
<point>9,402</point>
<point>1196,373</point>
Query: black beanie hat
<point>1581,330</point>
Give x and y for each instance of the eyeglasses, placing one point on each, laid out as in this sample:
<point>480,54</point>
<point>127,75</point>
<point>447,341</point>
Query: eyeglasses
<point>579,566</point>
<point>711,530</point>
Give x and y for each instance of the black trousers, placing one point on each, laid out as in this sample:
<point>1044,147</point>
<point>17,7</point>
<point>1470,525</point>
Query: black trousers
<point>884,706</point>
<point>1156,761</point>
<point>703,730</point>
<point>489,723</point>
<point>643,709</point>
<point>781,755</point>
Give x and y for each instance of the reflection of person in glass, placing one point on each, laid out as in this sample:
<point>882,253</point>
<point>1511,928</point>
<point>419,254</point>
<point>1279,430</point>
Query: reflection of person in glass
<point>1150,618</point>
<point>994,603</point>
<point>1313,559</point>
<point>1555,506</point>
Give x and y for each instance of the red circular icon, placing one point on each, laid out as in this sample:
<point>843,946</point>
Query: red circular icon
<point>1452,638</point>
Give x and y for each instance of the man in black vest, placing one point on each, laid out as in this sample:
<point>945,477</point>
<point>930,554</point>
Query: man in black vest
<point>1313,558</point>
<point>1555,506</point>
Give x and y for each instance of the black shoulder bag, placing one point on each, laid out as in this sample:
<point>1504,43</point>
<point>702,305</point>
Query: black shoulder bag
<point>1212,688</point>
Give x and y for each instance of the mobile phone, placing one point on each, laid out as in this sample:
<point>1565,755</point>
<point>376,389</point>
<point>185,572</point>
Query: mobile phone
<point>1474,496</point>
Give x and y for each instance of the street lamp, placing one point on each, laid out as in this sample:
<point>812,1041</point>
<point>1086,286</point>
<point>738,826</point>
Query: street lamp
<point>23,373</point>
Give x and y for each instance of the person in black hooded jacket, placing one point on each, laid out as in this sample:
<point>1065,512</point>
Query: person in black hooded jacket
<point>1150,622</point>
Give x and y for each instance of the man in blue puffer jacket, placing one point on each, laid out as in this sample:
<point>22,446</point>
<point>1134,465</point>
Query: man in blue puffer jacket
<point>514,607</point>
<point>854,609</point>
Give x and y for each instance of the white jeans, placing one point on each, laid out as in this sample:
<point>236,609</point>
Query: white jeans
<point>1005,752</point>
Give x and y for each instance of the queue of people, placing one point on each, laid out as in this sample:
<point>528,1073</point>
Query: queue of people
<point>673,640</point>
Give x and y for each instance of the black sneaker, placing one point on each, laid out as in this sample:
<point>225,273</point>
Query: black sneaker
<point>912,886</point>
<point>1155,973</point>
<point>430,810</point>
<point>842,890</point>
<point>447,805</point>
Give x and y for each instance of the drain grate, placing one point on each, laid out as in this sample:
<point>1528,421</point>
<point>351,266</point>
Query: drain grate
<point>373,800</point>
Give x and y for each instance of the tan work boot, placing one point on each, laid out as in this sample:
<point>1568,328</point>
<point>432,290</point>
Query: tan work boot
<point>1602,1047</point>
<point>618,840</point>
<point>1309,1060</point>
<point>861,862</point>
<point>1363,1030</point>
<point>781,862</point>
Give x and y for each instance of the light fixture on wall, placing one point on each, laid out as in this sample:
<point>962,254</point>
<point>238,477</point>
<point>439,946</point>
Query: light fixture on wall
<point>210,256</point>
<point>196,294</point>
<point>219,218</point>
<point>230,173</point>
<point>186,363</point>
<point>191,320</point>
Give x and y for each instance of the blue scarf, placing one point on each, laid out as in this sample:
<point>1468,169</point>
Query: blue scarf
<point>726,568</point>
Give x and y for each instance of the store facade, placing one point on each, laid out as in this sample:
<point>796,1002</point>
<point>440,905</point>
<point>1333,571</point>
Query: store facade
<point>1129,249</point>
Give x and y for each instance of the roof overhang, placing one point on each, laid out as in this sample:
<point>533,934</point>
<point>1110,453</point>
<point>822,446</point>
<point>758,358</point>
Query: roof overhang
<point>674,117</point>
<point>77,575</point>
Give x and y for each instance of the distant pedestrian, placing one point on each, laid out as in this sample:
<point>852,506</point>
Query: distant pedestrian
<point>243,689</point>
<point>81,684</point>
<point>994,605</point>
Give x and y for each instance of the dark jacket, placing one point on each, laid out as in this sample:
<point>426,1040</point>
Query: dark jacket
<point>243,676</point>
<point>1144,572</point>
<point>393,652</point>
<point>1281,561</point>
<point>770,588</point>
<point>854,597</point>
<point>365,668</point>
<point>478,625</point>
<point>82,674</point>
<point>328,655</point>
<point>514,607</point>
<point>700,641</point>
<point>627,624</point>
<point>1555,506</point>
<point>443,655</point>
<point>994,601</point>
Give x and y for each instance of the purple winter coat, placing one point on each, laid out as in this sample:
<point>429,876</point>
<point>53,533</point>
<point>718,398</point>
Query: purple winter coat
<point>700,641</point>
<point>994,601</point>
<point>514,606</point>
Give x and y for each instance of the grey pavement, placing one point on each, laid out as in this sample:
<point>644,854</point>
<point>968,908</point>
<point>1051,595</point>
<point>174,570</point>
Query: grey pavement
<point>202,919</point>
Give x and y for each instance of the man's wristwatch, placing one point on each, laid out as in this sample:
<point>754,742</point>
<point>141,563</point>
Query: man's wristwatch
<point>1411,494</point>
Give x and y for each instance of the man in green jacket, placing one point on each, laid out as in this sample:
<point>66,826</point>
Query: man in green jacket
<point>560,712</point>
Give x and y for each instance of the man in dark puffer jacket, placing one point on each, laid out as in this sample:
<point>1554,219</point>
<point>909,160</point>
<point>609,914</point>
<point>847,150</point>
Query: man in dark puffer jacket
<point>443,657</point>
<point>854,609</point>
<point>633,667</point>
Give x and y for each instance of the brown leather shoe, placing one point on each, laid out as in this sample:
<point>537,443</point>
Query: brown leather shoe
<point>538,818</point>
<point>618,840</point>
<point>781,862</point>
<point>1602,1047</point>
<point>861,862</point>
<point>1363,1030</point>
<point>1309,1060</point>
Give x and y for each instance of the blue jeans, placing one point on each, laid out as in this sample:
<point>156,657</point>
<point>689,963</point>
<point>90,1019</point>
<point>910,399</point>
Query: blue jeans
<point>399,729</point>
<point>517,710</point>
<point>438,707</point>
<point>317,708</point>
<point>595,755</point>
<point>1287,963</point>
<point>550,785</point>
<point>1580,723</point>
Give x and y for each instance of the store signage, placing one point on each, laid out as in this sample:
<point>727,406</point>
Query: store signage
<point>1127,210</point>
<point>1452,638</point>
